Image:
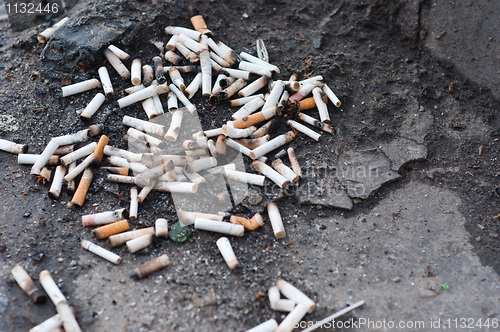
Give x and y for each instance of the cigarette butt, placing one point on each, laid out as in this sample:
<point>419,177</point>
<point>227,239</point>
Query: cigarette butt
<point>104,217</point>
<point>277,303</point>
<point>83,187</point>
<point>264,130</point>
<point>64,150</point>
<point>268,326</point>
<point>122,55</point>
<point>285,171</point>
<point>158,66</point>
<point>276,221</point>
<point>139,243</point>
<point>101,252</point>
<point>150,267</point>
<point>171,43</point>
<point>303,129</point>
<point>161,227</point>
<point>111,229</point>
<point>320,99</point>
<point>97,156</point>
<point>55,188</point>
<point>27,285</point>
<point>188,217</point>
<point>71,184</point>
<point>288,324</point>
<point>52,324</point>
<point>316,123</point>
<point>44,175</point>
<point>134,204</point>
<point>47,33</point>
<point>220,145</point>
<point>249,224</point>
<point>30,159</point>
<point>117,64</point>
<point>117,170</point>
<point>147,75</point>
<point>273,144</point>
<point>79,87</point>
<point>200,25</point>
<point>122,238</point>
<point>105,81</point>
<point>93,130</point>
<point>294,162</point>
<point>295,295</point>
<point>227,252</point>
<point>219,227</point>
<point>308,103</point>
<point>255,118</point>
<point>253,143</point>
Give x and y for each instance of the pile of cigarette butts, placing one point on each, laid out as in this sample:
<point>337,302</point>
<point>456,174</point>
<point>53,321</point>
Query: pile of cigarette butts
<point>184,171</point>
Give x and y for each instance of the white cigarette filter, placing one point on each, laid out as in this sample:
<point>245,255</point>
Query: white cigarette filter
<point>303,129</point>
<point>276,222</point>
<point>120,239</point>
<point>227,252</point>
<point>105,80</point>
<point>146,126</point>
<point>12,147</point>
<point>229,130</point>
<point>250,107</point>
<point>173,30</point>
<point>193,87</point>
<point>294,162</point>
<point>101,252</point>
<point>44,157</point>
<point>273,144</point>
<point>78,169</point>
<point>73,89</point>
<point>172,58</point>
<point>161,227</point>
<point>331,96</point>
<point>147,75</point>
<point>219,227</point>
<point>175,125</point>
<point>80,153</point>
<point>27,285</point>
<point>172,103</point>
<point>319,99</point>
<point>171,43</point>
<point>316,123</point>
<point>206,71</point>
<point>129,179</point>
<point>176,78</point>
<point>134,204</point>
<point>268,326</point>
<point>136,70</point>
<point>183,99</point>
<point>253,59</point>
<point>188,218</point>
<point>117,64</point>
<point>149,107</point>
<point>243,149</point>
<point>275,95</point>
<point>220,61</point>
<point>244,100</point>
<point>243,177</point>
<point>78,137</point>
<point>47,33</point>
<point>200,164</point>
<point>284,170</point>
<point>254,68</point>
<point>142,94</point>
<point>294,294</point>
<point>254,86</point>
<point>213,132</point>
<point>277,303</point>
<point>122,55</point>
<point>48,325</point>
<point>177,187</point>
<point>292,319</point>
<point>139,243</point>
<point>93,106</point>
<point>232,89</point>
<point>187,53</point>
<point>122,162</point>
<point>30,159</point>
<point>56,186</point>
<point>104,217</point>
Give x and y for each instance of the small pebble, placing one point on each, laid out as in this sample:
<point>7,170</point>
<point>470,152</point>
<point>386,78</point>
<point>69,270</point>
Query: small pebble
<point>27,214</point>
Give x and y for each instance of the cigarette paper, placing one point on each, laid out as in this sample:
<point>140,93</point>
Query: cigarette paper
<point>147,75</point>
<point>273,144</point>
<point>117,170</point>
<point>69,322</point>
<point>161,227</point>
<point>303,92</point>
<point>232,89</point>
<point>267,326</point>
<point>129,180</point>
<point>145,192</point>
<point>319,98</point>
<point>211,147</point>
<point>122,238</point>
<point>285,171</point>
<point>136,70</point>
<point>294,162</point>
<point>80,153</point>
<point>276,222</point>
<point>200,164</point>
<point>243,177</point>
<point>171,43</point>
<point>252,143</point>
<point>142,137</point>
<point>294,294</point>
<point>220,145</point>
<point>290,86</point>
<point>283,100</point>
<point>44,175</point>
<point>12,147</point>
<point>111,229</point>
<point>146,126</point>
<point>154,160</point>
<point>176,78</point>
<point>151,266</point>
<point>172,104</point>
<point>156,171</point>
<point>292,319</point>
<point>72,89</point>
<point>189,43</point>
<point>254,68</point>
<point>124,154</point>
<point>227,252</point>
<point>117,64</point>
<point>275,95</point>
<point>254,86</point>
<point>173,30</point>
<point>199,25</point>
<point>183,99</point>
<point>249,224</point>
<point>188,54</point>
<point>193,87</point>
<point>98,152</point>
<point>56,186</point>
<point>122,55</point>
<point>105,80</point>
<point>244,100</point>
<point>83,187</point>
<point>149,107</point>
<point>93,130</point>
<point>316,123</point>
<point>206,71</point>
<point>139,243</point>
<point>30,159</point>
<point>177,187</point>
<point>141,95</point>
<point>229,51</point>
<point>78,169</point>
<point>236,73</point>
<point>158,66</point>
<point>216,89</point>
<point>220,61</point>
<point>47,33</point>
<point>243,149</point>
<point>188,218</point>
<point>250,58</point>
<point>134,204</point>
<point>101,252</point>
<point>49,325</point>
<point>195,178</point>
<point>64,150</point>
<point>103,217</point>
<point>79,136</point>
<point>27,285</point>
<point>71,184</point>
<point>93,106</point>
<point>310,80</point>
<point>231,131</point>
<point>277,303</point>
<point>303,129</point>
<point>219,227</point>
<point>249,108</point>
<point>219,51</point>
<point>270,173</point>
<point>175,125</point>
<point>255,118</point>
<point>173,58</point>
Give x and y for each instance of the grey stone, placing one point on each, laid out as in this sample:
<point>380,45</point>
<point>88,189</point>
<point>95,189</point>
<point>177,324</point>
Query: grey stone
<point>4,302</point>
<point>323,191</point>
<point>416,124</point>
<point>402,151</point>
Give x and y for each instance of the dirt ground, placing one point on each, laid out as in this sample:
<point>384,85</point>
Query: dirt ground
<point>398,77</point>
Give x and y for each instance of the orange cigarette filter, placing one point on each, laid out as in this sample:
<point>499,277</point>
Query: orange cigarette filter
<point>220,145</point>
<point>249,224</point>
<point>250,120</point>
<point>106,231</point>
<point>309,103</point>
<point>200,25</point>
<point>117,170</point>
<point>83,188</point>
<point>103,141</point>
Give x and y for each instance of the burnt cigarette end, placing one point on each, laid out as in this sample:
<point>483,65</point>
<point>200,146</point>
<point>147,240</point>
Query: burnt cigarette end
<point>95,129</point>
<point>159,74</point>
